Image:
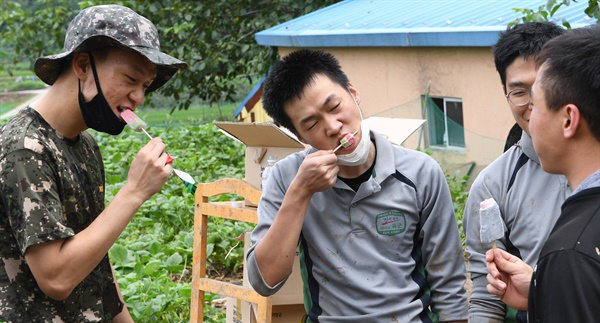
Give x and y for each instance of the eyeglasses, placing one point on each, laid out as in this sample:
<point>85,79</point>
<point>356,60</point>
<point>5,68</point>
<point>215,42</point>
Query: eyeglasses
<point>519,97</point>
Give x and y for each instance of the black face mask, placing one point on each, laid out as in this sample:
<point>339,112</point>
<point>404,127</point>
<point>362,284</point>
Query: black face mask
<point>97,113</point>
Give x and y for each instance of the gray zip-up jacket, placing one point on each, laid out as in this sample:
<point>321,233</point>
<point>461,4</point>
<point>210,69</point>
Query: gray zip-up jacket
<point>530,201</point>
<point>389,252</point>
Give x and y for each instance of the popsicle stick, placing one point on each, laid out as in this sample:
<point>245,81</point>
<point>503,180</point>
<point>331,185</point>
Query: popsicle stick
<point>146,132</point>
<point>169,157</point>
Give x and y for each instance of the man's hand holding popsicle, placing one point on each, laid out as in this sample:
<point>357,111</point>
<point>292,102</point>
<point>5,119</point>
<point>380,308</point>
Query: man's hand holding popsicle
<point>137,124</point>
<point>508,276</point>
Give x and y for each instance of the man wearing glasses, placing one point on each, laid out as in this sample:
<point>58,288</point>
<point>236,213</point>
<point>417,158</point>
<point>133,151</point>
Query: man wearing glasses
<point>529,198</point>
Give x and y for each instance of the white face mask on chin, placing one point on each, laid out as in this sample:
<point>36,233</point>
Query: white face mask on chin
<point>361,152</point>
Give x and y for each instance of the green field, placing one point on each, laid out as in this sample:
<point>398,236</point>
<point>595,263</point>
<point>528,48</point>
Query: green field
<point>197,114</point>
<point>5,107</point>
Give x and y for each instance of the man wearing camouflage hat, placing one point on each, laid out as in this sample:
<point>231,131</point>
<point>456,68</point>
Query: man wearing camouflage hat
<point>55,231</point>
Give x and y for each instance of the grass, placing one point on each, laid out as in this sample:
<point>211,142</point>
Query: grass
<point>196,114</point>
<point>8,81</point>
<point>5,107</point>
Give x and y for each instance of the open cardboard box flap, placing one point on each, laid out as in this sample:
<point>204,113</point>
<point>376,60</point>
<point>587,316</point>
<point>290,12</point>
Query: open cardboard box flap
<point>266,139</point>
<point>396,130</point>
<point>254,134</point>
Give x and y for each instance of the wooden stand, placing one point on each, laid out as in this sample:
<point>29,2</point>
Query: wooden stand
<point>227,210</point>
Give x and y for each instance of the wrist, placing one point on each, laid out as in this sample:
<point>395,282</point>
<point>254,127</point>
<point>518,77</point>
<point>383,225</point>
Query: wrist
<point>129,195</point>
<point>299,191</point>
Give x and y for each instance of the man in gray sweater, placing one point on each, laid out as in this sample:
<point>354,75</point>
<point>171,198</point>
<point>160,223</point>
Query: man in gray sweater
<point>565,128</point>
<point>529,198</point>
<point>374,222</point>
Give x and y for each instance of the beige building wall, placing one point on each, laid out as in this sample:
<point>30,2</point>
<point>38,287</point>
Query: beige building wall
<point>392,80</point>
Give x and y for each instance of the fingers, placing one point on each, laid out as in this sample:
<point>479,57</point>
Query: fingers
<point>318,171</point>
<point>491,264</point>
<point>150,168</point>
<point>156,147</point>
<point>157,151</point>
<point>495,286</point>
<point>327,157</point>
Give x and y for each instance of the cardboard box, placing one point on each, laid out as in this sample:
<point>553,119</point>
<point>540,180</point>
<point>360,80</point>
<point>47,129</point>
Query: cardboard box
<point>282,313</point>
<point>266,139</point>
<point>261,140</point>
<point>396,130</point>
<point>239,311</point>
<point>291,292</point>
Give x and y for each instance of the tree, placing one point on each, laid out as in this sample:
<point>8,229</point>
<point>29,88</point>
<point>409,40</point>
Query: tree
<point>545,12</point>
<point>216,38</point>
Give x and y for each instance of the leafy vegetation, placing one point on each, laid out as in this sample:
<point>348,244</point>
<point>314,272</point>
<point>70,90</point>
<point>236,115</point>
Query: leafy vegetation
<point>459,193</point>
<point>546,11</point>
<point>196,114</point>
<point>152,257</point>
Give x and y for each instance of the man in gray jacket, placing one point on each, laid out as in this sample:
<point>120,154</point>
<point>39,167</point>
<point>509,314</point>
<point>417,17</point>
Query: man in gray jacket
<point>529,198</point>
<point>565,127</point>
<point>374,222</point>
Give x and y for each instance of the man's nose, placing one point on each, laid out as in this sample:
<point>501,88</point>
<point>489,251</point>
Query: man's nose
<point>332,126</point>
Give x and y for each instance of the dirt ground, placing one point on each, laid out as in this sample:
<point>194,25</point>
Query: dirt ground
<point>6,97</point>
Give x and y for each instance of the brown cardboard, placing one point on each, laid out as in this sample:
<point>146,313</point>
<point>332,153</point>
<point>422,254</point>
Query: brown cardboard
<point>291,291</point>
<point>292,313</point>
<point>237,311</point>
<point>396,130</point>
<point>261,140</point>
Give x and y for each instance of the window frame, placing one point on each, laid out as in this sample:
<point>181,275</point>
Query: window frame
<point>445,145</point>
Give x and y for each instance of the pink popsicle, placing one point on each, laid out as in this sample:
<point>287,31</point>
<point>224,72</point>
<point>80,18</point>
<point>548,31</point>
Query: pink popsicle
<point>138,125</point>
<point>133,120</point>
<point>347,140</point>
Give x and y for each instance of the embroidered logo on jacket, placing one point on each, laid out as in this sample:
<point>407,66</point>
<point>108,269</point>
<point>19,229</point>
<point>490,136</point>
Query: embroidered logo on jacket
<point>390,223</point>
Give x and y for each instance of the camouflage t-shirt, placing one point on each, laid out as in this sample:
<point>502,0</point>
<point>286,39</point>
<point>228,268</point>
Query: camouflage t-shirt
<point>51,188</point>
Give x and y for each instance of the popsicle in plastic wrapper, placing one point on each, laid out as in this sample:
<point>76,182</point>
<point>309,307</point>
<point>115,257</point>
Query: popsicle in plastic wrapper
<point>491,224</point>
<point>187,179</point>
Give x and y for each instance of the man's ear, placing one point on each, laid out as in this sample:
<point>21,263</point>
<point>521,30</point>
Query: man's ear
<point>81,65</point>
<point>354,92</point>
<point>572,120</point>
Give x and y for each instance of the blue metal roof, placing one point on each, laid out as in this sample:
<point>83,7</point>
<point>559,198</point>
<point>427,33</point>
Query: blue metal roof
<point>374,23</point>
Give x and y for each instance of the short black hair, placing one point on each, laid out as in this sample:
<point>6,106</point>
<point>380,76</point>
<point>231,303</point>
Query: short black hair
<point>522,40</point>
<point>572,73</point>
<point>289,77</point>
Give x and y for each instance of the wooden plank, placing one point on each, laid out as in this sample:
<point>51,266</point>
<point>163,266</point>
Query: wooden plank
<point>230,290</point>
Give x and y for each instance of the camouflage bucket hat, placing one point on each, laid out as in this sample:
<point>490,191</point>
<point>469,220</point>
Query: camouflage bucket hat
<point>109,26</point>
